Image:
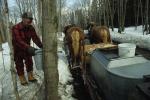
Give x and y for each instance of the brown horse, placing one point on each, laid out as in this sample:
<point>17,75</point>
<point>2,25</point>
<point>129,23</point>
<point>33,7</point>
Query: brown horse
<point>99,34</point>
<point>65,31</point>
<point>75,37</point>
<point>66,28</point>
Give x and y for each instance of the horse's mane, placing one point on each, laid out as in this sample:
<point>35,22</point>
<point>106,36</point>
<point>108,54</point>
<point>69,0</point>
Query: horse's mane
<point>97,28</point>
<point>75,29</point>
<point>67,27</point>
<point>104,27</point>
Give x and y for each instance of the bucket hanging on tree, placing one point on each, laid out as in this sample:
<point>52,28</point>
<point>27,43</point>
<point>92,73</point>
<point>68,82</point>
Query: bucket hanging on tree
<point>38,59</point>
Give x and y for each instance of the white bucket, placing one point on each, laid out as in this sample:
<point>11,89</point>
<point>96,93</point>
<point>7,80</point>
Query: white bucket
<point>38,59</point>
<point>127,49</point>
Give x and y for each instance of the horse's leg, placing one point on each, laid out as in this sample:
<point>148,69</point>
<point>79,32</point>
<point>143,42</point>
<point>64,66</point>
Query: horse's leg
<point>75,61</point>
<point>83,63</point>
<point>65,44</point>
<point>67,52</point>
<point>69,60</point>
<point>83,57</point>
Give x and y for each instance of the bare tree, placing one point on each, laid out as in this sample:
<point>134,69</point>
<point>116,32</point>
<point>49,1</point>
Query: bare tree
<point>112,10</point>
<point>146,28</point>
<point>14,15</point>
<point>49,27</point>
<point>30,6</point>
<point>9,38</point>
<point>2,23</point>
<point>121,14</point>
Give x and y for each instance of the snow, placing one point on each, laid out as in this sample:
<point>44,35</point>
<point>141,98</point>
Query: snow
<point>131,35</point>
<point>31,91</point>
<point>6,86</point>
<point>65,89</point>
<point>64,74</point>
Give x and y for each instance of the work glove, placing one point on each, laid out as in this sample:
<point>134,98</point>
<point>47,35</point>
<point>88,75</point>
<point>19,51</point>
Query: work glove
<point>31,51</point>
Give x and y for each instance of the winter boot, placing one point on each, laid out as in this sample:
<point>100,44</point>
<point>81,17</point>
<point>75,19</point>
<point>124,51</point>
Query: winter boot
<point>31,77</point>
<point>23,80</point>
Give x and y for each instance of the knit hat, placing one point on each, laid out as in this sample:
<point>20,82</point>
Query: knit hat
<point>27,15</point>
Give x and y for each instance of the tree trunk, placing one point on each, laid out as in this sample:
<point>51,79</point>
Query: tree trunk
<point>121,14</point>
<point>60,7</point>
<point>49,28</point>
<point>146,16</point>
<point>9,38</point>
<point>137,10</point>
<point>40,16</point>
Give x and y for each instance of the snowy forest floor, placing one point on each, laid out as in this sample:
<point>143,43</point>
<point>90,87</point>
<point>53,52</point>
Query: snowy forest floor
<point>6,85</point>
<point>31,91</point>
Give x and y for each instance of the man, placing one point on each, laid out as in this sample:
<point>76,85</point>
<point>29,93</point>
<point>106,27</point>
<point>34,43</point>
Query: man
<point>22,33</point>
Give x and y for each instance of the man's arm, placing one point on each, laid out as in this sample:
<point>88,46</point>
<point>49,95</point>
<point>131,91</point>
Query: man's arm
<point>36,39</point>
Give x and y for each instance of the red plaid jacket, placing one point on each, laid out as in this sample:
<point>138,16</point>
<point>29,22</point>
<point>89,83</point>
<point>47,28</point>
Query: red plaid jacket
<point>21,37</point>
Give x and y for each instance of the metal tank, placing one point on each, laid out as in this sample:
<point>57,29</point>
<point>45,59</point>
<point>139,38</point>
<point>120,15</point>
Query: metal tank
<point>118,78</point>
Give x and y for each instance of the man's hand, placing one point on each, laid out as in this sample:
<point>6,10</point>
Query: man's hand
<point>31,51</point>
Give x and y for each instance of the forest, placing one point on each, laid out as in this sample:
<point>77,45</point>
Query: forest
<point>51,16</point>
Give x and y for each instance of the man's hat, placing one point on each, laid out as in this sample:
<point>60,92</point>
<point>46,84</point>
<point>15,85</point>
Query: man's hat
<point>27,15</point>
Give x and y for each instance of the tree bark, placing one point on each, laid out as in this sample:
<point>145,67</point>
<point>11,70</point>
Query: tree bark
<point>9,38</point>
<point>49,29</point>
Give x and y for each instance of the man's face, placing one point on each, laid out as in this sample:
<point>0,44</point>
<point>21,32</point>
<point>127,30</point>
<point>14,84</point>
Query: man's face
<point>27,21</point>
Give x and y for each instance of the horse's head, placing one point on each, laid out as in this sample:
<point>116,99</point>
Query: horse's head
<point>66,28</point>
<point>100,34</point>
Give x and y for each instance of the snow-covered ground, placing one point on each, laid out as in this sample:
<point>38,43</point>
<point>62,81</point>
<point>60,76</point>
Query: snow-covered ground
<point>6,85</point>
<point>30,92</point>
<point>132,35</point>
<point>65,89</point>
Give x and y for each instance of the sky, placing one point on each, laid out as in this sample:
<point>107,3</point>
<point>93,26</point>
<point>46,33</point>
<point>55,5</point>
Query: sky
<point>11,3</point>
<point>72,3</point>
<point>69,3</point>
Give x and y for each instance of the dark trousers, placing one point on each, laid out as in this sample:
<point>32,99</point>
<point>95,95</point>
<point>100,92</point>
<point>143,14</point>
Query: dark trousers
<point>23,61</point>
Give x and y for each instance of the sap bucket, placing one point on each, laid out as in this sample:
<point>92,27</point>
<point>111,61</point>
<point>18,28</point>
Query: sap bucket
<point>38,59</point>
<point>126,49</point>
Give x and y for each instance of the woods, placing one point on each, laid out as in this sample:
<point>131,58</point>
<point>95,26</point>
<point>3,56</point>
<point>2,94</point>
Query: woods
<point>50,17</point>
<point>113,13</point>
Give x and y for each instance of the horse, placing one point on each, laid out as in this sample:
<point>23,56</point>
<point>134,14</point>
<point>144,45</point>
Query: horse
<point>74,40</point>
<point>99,34</point>
<point>66,28</point>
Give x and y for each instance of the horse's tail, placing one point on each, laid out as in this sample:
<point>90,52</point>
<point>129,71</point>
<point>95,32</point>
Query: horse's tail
<point>75,42</point>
